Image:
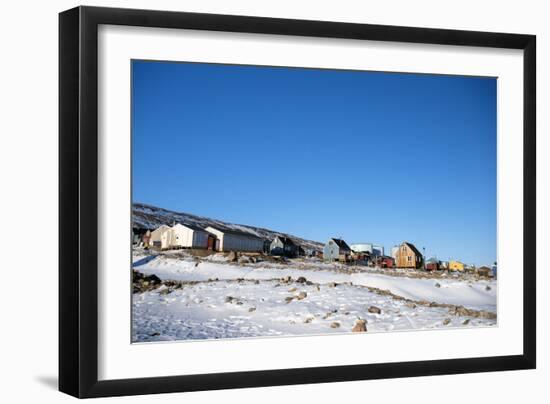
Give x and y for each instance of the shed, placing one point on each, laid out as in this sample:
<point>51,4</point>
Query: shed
<point>284,246</point>
<point>336,249</point>
<point>236,240</point>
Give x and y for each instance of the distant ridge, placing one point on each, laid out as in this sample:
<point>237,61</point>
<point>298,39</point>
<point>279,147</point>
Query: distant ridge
<point>150,217</point>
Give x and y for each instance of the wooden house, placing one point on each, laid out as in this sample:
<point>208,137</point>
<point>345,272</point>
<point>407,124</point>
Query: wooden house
<point>408,256</point>
<point>394,252</point>
<point>229,239</point>
<point>336,250</point>
<point>284,246</point>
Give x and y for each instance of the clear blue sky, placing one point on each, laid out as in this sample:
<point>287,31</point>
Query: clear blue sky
<point>372,157</point>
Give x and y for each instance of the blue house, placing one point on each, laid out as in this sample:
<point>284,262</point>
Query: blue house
<point>336,249</point>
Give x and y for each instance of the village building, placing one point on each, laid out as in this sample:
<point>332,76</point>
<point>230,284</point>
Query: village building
<point>484,271</point>
<point>235,240</point>
<point>374,250</point>
<point>408,256</point>
<point>443,264</point>
<point>189,236</point>
<point>456,266</point>
<point>284,246</point>
<point>432,264</point>
<point>336,250</point>
<point>161,237</point>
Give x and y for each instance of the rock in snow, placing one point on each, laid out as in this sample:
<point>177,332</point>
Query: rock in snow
<point>375,310</point>
<point>360,326</point>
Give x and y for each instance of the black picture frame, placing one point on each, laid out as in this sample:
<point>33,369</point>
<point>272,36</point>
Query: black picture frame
<point>78,201</point>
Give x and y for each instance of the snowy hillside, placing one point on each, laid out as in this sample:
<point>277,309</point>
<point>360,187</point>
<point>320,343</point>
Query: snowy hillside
<point>211,297</point>
<point>150,217</point>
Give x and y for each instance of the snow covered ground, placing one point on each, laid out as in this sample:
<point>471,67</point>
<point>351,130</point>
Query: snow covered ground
<point>229,300</point>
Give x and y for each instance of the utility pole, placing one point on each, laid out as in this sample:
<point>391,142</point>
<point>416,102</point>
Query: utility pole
<point>424,257</point>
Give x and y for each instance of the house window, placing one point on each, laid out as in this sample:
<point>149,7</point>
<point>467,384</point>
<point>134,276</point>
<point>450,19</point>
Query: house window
<point>409,258</point>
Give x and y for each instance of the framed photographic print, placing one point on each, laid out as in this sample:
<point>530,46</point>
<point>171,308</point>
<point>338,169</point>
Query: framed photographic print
<point>250,201</point>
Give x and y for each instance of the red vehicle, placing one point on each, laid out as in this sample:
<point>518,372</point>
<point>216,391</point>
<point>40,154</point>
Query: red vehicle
<point>386,262</point>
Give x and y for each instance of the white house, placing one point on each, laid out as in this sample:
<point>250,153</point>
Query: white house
<point>161,237</point>
<point>188,236</point>
<point>235,240</point>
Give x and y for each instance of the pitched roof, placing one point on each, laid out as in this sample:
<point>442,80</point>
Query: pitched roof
<point>286,240</point>
<point>192,226</point>
<point>413,248</point>
<point>341,243</point>
<point>234,232</point>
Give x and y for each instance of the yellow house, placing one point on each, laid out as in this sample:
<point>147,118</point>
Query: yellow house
<point>456,266</point>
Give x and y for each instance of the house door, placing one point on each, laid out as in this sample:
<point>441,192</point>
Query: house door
<point>211,242</point>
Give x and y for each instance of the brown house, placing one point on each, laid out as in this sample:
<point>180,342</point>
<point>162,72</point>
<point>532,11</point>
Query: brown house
<point>484,271</point>
<point>408,256</point>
